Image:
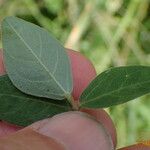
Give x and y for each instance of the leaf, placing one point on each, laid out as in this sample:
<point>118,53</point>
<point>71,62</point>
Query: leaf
<point>36,62</point>
<point>21,109</point>
<point>116,86</point>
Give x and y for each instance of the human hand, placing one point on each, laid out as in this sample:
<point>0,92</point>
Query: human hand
<point>44,134</point>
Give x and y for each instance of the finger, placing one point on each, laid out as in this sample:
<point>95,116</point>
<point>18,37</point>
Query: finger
<point>28,139</point>
<point>2,69</point>
<point>83,72</point>
<point>136,147</point>
<point>102,116</point>
<point>77,66</point>
<point>86,82</point>
<point>80,78</point>
<point>76,130</point>
<point>78,63</point>
<point>6,128</point>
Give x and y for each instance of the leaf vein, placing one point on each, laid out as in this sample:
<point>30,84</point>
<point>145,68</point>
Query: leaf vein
<point>103,95</point>
<point>30,49</point>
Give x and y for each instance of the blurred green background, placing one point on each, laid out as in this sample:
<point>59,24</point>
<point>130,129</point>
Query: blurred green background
<point>110,33</point>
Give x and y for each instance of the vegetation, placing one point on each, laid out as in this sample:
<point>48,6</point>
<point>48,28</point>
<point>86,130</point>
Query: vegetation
<point>109,33</point>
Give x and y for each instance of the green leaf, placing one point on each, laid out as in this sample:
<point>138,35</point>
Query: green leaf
<point>35,61</point>
<point>21,109</point>
<point>116,86</point>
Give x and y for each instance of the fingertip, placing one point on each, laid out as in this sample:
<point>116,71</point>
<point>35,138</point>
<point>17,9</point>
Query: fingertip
<point>83,72</point>
<point>76,130</point>
<point>29,139</point>
<point>103,117</point>
<point>2,68</point>
<point>7,129</point>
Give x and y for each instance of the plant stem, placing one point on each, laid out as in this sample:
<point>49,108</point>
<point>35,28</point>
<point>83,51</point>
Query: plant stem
<point>81,25</point>
<point>73,103</point>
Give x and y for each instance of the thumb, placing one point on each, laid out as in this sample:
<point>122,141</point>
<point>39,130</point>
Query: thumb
<point>70,130</point>
<point>28,139</point>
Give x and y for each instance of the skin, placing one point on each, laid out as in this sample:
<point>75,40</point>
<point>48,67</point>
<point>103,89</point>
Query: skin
<point>83,72</point>
<point>102,116</point>
<point>28,139</point>
<point>47,130</point>
<point>76,130</point>
<point>81,80</point>
<point>69,131</point>
<point>6,129</point>
<point>2,70</point>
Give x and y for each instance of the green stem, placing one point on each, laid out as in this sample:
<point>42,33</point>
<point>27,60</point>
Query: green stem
<point>73,103</point>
